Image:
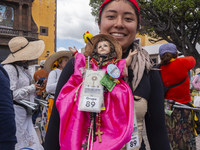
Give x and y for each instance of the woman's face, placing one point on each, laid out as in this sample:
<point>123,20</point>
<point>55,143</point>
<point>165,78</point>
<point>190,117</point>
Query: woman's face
<point>63,63</point>
<point>119,20</point>
<point>103,47</point>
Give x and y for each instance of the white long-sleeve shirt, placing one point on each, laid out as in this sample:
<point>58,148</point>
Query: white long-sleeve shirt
<point>21,86</point>
<point>53,80</point>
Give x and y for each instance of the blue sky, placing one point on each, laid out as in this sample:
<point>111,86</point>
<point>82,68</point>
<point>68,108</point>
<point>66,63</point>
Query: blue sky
<point>63,44</point>
<point>73,20</point>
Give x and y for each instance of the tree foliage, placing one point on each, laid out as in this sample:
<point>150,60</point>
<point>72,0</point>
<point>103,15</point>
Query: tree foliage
<point>95,4</point>
<point>176,21</point>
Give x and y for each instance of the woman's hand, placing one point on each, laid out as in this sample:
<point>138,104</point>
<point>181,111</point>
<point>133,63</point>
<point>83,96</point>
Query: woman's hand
<point>37,87</point>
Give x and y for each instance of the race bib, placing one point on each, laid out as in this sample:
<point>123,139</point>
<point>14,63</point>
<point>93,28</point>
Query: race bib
<point>134,142</point>
<point>91,98</point>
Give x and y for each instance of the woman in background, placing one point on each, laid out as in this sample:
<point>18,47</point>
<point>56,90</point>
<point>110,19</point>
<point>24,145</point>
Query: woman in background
<point>179,121</point>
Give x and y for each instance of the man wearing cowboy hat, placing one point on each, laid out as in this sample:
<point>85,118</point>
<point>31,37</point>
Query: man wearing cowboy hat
<point>21,85</point>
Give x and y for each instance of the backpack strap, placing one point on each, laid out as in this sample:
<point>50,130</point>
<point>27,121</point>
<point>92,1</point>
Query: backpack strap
<point>172,86</point>
<point>16,69</point>
<point>169,87</point>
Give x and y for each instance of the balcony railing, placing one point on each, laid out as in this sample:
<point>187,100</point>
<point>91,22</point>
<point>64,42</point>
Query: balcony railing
<point>12,32</point>
<point>9,32</point>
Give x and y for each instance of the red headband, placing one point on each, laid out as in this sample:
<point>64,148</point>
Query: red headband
<point>133,1</point>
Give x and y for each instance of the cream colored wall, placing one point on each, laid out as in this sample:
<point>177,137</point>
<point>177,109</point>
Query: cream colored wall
<point>152,49</point>
<point>43,12</point>
<point>145,40</point>
<point>149,43</point>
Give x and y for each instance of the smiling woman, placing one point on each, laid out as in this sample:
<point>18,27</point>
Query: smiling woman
<point>121,23</point>
<point>120,19</point>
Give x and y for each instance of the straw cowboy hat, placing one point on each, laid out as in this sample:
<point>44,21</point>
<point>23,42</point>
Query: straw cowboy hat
<point>89,47</point>
<point>52,58</point>
<point>21,49</point>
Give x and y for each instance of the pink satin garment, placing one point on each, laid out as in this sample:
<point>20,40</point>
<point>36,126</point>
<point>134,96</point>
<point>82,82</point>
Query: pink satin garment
<point>116,120</point>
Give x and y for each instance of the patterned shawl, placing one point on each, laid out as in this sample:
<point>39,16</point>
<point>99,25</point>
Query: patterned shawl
<point>140,62</point>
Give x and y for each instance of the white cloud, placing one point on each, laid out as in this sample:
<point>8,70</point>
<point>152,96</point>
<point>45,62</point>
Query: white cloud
<point>65,49</point>
<point>61,49</point>
<point>74,19</point>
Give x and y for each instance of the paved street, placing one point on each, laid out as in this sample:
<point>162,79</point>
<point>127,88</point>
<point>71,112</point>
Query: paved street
<point>144,136</point>
<point>148,148</point>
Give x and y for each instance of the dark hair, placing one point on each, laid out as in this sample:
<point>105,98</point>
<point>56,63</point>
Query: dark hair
<point>136,12</point>
<point>112,53</point>
<point>166,57</point>
<point>20,63</point>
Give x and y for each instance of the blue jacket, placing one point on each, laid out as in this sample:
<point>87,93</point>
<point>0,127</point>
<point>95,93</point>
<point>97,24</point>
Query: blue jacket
<point>7,121</point>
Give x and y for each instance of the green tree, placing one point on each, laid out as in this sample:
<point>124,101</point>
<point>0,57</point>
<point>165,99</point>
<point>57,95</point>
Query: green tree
<point>95,4</point>
<point>176,21</point>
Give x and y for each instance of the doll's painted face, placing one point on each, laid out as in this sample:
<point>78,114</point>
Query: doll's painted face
<point>103,47</point>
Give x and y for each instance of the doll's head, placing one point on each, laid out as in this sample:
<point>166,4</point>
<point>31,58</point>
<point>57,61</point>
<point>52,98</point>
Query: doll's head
<point>93,48</point>
<point>104,46</point>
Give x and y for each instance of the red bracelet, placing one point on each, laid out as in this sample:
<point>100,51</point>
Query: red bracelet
<point>74,53</point>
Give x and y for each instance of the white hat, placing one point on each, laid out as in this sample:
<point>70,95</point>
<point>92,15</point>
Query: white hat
<point>42,62</point>
<point>21,49</point>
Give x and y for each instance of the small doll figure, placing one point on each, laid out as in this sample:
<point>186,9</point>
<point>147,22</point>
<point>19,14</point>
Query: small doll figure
<point>114,125</point>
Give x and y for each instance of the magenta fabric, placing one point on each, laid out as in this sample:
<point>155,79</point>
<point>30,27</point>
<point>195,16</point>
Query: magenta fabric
<point>116,120</point>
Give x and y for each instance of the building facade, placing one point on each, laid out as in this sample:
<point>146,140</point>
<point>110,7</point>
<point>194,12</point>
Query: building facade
<point>33,19</point>
<point>44,14</point>
<point>152,49</point>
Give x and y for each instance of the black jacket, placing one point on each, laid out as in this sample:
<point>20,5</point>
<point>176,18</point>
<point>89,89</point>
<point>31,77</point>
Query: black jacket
<point>150,88</point>
<point>7,121</point>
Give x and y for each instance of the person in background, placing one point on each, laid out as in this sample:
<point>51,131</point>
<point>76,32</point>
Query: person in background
<point>179,121</point>
<point>7,116</point>
<point>196,80</point>
<point>121,20</point>
<point>22,88</point>
<point>40,75</point>
<point>54,65</point>
<point>193,90</point>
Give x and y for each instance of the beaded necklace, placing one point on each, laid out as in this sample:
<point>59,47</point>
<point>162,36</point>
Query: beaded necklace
<point>105,64</point>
